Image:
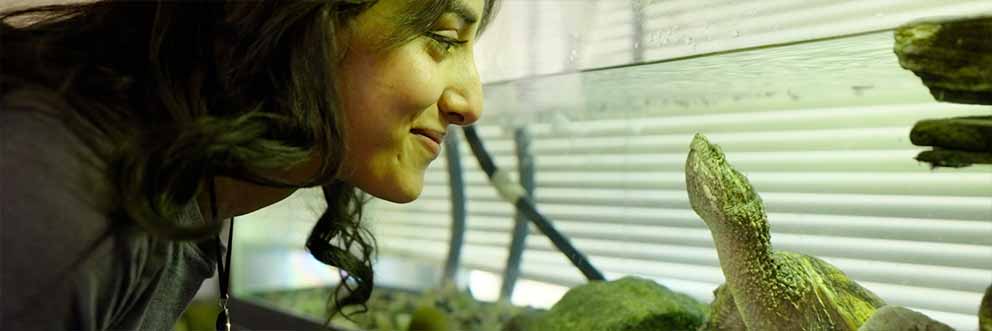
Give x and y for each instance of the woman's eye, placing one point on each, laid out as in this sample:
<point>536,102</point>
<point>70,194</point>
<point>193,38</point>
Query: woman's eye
<point>444,42</point>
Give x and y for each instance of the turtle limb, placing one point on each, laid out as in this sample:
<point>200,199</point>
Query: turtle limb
<point>723,312</point>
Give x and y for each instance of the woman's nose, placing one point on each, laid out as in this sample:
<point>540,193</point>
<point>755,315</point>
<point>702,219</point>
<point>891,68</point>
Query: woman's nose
<point>461,103</point>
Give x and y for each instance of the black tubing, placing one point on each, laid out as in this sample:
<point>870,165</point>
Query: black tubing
<point>458,212</point>
<point>525,206</point>
<point>525,169</point>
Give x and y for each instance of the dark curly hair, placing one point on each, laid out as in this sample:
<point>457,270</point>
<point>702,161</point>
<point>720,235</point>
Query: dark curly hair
<point>171,94</point>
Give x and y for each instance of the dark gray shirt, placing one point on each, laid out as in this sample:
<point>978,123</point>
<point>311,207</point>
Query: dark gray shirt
<point>64,264</point>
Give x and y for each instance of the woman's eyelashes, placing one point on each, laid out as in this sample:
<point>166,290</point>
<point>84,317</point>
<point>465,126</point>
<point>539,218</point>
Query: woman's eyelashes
<point>445,43</point>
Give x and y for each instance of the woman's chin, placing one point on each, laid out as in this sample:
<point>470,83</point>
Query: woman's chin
<point>396,197</point>
<point>398,193</point>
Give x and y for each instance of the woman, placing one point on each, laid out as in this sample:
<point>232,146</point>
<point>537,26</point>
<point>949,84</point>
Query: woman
<point>131,130</point>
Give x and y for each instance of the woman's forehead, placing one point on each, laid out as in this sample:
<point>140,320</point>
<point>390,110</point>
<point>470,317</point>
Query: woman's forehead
<point>388,20</point>
<point>469,10</point>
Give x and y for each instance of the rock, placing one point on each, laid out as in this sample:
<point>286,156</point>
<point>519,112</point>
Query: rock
<point>971,133</point>
<point>952,57</point>
<point>896,318</point>
<point>627,304</point>
<point>953,159</point>
<point>524,321</point>
<point>467,313</point>
<point>957,142</point>
<point>429,318</point>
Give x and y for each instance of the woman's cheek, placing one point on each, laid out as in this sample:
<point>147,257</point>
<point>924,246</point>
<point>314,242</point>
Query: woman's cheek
<point>417,79</point>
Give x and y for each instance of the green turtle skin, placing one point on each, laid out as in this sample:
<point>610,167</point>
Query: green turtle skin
<point>855,299</point>
<point>985,311</point>
<point>723,312</point>
<point>772,290</point>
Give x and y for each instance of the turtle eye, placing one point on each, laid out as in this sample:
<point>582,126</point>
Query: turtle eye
<point>718,156</point>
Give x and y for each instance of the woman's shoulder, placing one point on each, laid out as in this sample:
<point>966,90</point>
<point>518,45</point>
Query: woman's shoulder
<point>62,237</point>
<point>50,180</point>
<point>42,154</point>
<point>53,199</point>
<point>32,98</point>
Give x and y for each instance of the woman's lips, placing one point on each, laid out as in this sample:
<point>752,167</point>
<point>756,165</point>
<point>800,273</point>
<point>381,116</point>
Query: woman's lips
<point>436,135</point>
<point>431,138</point>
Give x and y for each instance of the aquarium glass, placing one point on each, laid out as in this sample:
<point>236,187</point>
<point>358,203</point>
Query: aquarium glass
<point>806,98</point>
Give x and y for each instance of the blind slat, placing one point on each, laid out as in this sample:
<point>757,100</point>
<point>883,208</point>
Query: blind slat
<point>899,206</point>
<point>766,121</point>
<point>928,230</point>
<point>900,251</point>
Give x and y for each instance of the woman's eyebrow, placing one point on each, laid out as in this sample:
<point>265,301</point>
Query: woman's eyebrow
<point>459,8</point>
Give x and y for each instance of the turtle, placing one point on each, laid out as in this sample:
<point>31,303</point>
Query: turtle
<point>772,290</point>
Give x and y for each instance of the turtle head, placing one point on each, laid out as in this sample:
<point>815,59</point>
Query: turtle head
<point>717,191</point>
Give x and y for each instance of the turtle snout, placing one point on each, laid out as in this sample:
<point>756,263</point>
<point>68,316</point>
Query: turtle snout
<point>700,143</point>
<point>702,185</point>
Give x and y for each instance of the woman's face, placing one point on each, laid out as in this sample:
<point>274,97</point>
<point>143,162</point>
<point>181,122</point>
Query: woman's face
<point>399,101</point>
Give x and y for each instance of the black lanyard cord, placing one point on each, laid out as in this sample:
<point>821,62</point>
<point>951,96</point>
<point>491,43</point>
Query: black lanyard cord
<point>223,268</point>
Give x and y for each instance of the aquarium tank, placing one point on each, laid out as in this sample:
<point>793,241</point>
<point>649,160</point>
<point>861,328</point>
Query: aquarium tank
<point>591,111</point>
